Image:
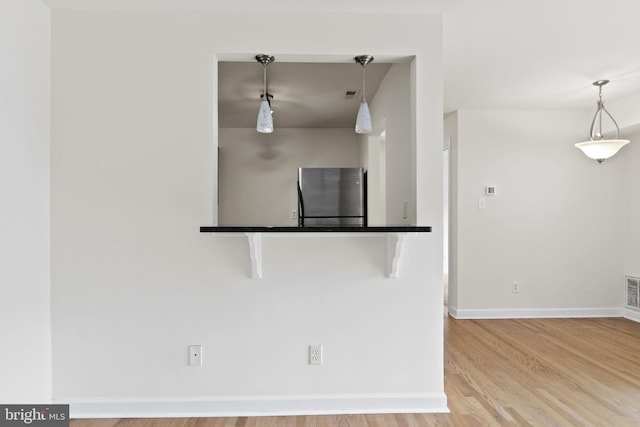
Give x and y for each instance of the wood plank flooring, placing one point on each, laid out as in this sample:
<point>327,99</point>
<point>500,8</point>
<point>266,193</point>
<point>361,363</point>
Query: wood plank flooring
<point>531,372</point>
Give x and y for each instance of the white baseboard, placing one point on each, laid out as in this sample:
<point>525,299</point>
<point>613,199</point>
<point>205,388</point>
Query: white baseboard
<point>632,315</point>
<point>531,313</point>
<point>256,405</point>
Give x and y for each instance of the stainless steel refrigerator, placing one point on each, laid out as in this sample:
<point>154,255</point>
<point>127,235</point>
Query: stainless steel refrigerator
<point>332,197</point>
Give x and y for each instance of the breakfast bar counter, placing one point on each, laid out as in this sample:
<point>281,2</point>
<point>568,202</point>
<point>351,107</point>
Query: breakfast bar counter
<point>395,239</point>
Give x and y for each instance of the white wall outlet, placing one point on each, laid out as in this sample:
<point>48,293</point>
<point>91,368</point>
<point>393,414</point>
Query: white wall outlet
<point>294,214</point>
<point>482,203</point>
<point>195,355</point>
<point>515,287</point>
<point>315,354</point>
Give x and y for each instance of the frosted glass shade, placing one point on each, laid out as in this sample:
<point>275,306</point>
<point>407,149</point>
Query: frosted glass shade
<point>265,119</point>
<point>363,122</point>
<point>601,149</point>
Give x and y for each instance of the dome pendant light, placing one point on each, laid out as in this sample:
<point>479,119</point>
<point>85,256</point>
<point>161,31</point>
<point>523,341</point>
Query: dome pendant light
<point>363,122</point>
<point>265,119</point>
<point>598,147</point>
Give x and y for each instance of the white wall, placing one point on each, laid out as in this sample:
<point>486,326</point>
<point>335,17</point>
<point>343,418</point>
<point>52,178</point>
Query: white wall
<point>374,153</point>
<point>391,108</point>
<point>25,316</point>
<point>451,134</point>
<point>625,110</point>
<point>134,282</point>
<point>631,184</point>
<point>258,172</point>
<point>555,226</point>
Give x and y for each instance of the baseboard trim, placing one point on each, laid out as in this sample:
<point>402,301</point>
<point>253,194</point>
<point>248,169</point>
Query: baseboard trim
<point>257,405</point>
<point>632,315</point>
<point>532,313</point>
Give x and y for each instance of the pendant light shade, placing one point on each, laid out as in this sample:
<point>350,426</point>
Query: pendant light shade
<point>265,118</point>
<point>598,147</point>
<point>363,121</point>
<point>602,149</point>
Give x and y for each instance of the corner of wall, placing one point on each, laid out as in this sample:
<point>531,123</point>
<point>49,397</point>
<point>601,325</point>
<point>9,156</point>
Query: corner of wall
<point>25,354</point>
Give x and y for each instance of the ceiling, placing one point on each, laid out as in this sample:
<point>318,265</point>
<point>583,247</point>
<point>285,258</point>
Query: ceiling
<point>305,95</point>
<point>498,54</point>
<point>542,54</point>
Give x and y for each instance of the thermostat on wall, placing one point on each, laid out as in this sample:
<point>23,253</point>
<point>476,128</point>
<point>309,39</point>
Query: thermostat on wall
<point>490,190</point>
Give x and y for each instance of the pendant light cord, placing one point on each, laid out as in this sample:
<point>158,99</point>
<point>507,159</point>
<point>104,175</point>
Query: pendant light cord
<point>363,60</point>
<point>265,60</point>
<point>363,86</point>
<point>265,82</point>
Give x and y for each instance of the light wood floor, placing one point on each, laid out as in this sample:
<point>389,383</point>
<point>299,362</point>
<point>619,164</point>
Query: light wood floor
<point>534,372</point>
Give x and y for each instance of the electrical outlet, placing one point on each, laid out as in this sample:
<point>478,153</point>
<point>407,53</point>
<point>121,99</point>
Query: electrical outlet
<point>294,214</point>
<point>195,355</point>
<point>482,203</point>
<point>515,287</point>
<point>315,354</point>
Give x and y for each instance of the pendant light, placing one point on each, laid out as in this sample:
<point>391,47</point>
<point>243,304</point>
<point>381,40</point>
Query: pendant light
<point>598,147</point>
<point>363,122</point>
<point>265,119</point>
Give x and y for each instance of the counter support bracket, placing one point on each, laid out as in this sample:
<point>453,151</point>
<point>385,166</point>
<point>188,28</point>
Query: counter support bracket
<point>255,253</point>
<point>395,242</point>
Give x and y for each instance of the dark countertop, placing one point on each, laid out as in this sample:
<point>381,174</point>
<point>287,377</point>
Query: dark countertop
<point>283,229</point>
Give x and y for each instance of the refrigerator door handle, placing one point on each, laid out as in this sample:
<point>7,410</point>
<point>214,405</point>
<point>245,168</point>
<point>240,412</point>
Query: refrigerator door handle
<point>300,207</point>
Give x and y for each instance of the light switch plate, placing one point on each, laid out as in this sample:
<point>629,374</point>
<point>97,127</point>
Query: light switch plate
<point>195,355</point>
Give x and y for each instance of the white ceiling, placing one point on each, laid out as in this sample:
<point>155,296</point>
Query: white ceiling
<point>498,54</point>
<point>542,54</point>
<point>305,95</point>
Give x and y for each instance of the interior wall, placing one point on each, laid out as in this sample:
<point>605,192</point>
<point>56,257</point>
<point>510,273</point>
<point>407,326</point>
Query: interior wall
<point>625,110</point>
<point>391,106</point>
<point>25,317</point>
<point>376,179</point>
<point>451,134</point>
<point>631,155</point>
<point>133,168</point>
<point>258,172</point>
<point>544,227</point>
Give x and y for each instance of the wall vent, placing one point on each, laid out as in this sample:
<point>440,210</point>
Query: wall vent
<point>350,94</point>
<point>632,294</point>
